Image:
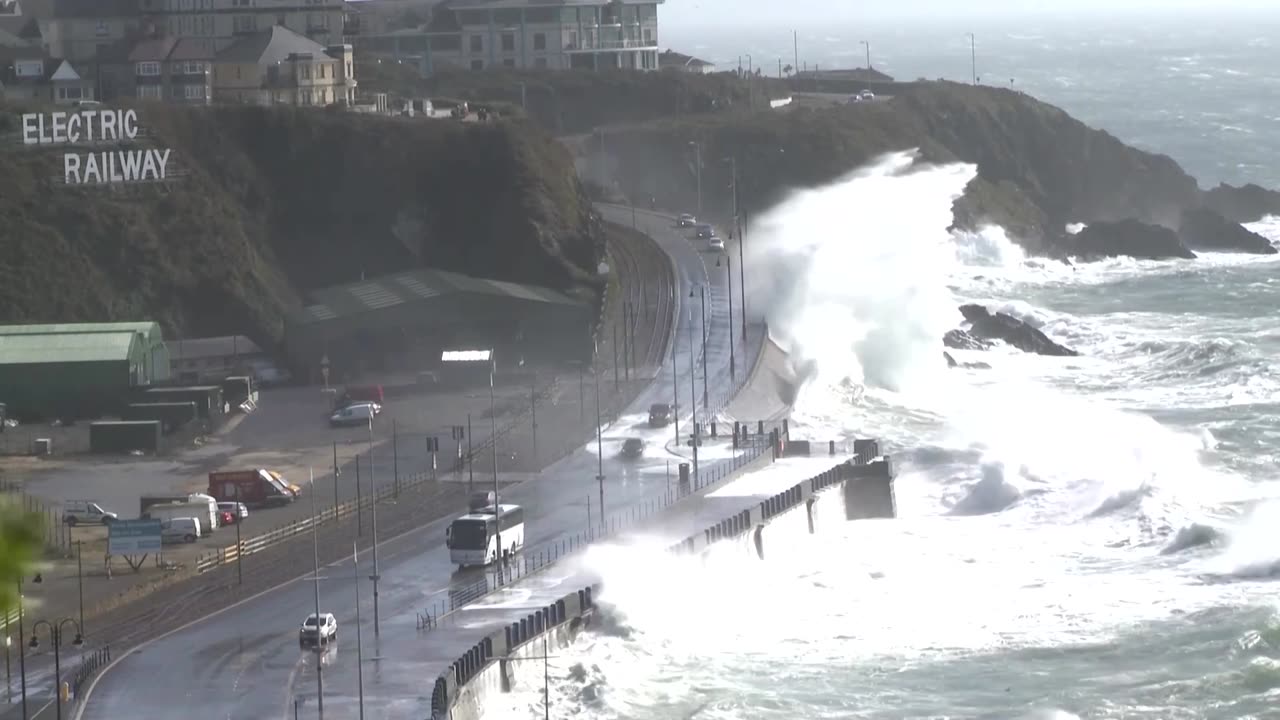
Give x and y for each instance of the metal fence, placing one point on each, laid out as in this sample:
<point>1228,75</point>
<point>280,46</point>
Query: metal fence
<point>531,560</point>
<point>91,662</point>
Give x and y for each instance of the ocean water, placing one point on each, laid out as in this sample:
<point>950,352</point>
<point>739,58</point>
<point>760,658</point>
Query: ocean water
<point>1091,537</point>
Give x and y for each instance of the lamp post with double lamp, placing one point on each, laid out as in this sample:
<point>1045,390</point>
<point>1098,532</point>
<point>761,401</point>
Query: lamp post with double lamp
<point>374,509</point>
<point>55,634</point>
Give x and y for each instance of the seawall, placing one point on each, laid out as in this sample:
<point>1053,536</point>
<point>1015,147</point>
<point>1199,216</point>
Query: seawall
<point>861,487</point>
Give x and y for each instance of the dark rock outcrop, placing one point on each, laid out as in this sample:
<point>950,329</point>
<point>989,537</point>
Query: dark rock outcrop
<point>1131,238</point>
<point>961,340</point>
<point>1249,203</point>
<point>1205,229</point>
<point>951,363</point>
<point>986,325</point>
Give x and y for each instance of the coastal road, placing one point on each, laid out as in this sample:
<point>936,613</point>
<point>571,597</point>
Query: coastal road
<point>245,662</point>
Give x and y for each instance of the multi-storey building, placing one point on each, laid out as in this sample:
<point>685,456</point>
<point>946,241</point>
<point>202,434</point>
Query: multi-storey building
<point>219,23</point>
<point>175,70</point>
<point>278,66</point>
<point>552,34</point>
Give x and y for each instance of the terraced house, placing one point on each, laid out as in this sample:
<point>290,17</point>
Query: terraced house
<point>553,34</point>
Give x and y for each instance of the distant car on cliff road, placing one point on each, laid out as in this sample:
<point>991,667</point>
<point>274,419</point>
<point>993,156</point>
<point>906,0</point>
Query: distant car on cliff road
<point>686,220</point>
<point>661,414</point>
<point>716,243</point>
<point>866,95</point>
<point>704,231</point>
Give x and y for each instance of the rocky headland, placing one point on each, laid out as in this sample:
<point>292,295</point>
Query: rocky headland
<point>1039,169</point>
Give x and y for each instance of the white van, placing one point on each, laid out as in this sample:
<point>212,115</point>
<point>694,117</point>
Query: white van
<point>182,529</point>
<point>212,522</point>
<point>75,512</point>
<point>169,511</point>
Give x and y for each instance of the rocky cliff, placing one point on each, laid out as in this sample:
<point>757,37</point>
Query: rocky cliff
<point>274,202</point>
<point>1039,169</point>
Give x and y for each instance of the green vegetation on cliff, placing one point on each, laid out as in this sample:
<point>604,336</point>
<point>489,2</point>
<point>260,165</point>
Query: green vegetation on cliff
<point>278,201</point>
<point>577,101</point>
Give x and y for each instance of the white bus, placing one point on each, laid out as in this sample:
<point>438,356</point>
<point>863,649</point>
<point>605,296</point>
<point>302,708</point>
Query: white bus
<point>473,538</point>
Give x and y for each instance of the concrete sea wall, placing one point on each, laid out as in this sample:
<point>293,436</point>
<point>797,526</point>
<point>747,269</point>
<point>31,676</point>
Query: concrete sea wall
<point>861,487</point>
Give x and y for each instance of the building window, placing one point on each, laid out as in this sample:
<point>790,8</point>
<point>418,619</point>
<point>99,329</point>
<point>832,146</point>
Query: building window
<point>509,62</point>
<point>30,68</point>
<point>477,43</point>
<point>149,69</point>
<point>540,15</point>
<point>306,72</point>
<point>194,92</point>
<point>648,36</point>
<point>149,92</point>
<point>477,64</point>
<point>70,93</point>
<point>190,68</point>
<point>508,42</point>
<point>539,41</point>
<point>573,45</point>
<point>245,24</point>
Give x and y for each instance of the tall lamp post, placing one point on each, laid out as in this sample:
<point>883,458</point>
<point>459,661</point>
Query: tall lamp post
<point>693,397</point>
<point>374,509</point>
<point>55,633</point>
<point>732,361</point>
<point>595,370</point>
<point>706,403</point>
<point>315,559</point>
<point>493,441</point>
<point>868,46</point>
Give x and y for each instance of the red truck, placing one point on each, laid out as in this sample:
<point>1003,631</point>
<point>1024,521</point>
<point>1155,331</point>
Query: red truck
<point>358,394</point>
<point>254,488</point>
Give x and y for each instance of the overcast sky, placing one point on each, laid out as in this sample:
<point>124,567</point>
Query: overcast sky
<point>795,12</point>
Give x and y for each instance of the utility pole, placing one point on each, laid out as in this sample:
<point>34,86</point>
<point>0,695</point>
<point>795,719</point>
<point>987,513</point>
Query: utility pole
<point>697,159</point>
<point>675,389</point>
<point>733,370</point>
<point>533,412</point>
<point>336,473</point>
<point>795,48</point>
<point>471,477</point>
<point>868,45</point>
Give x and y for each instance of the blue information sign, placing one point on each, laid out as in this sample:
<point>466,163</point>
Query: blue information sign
<point>133,537</point>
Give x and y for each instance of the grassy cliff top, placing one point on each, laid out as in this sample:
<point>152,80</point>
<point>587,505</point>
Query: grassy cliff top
<point>277,201</point>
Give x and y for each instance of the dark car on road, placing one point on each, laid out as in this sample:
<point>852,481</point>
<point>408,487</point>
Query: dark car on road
<point>661,414</point>
<point>704,231</point>
<point>686,220</point>
<point>632,448</point>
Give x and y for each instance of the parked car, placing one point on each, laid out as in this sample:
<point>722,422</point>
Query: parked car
<point>632,447</point>
<point>86,511</point>
<point>867,95</point>
<point>661,414</point>
<point>716,243</point>
<point>704,231</point>
<point>321,633</point>
<point>686,220</point>
<point>226,517</point>
<point>238,510</point>
<point>353,416</point>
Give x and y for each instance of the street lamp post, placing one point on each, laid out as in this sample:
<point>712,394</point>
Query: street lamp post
<point>315,575</point>
<point>374,508</point>
<point>80,581</point>
<point>355,563</point>
<point>693,397</point>
<point>675,386</point>
<point>732,361</point>
<point>868,46</point>
<point>706,403</point>
<point>22,652</point>
<point>493,440</point>
<point>599,448</point>
<point>55,634</point>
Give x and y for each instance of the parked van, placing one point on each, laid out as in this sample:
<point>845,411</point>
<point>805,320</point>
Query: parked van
<point>88,512</point>
<point>179,529</point>
<point>198,511</point>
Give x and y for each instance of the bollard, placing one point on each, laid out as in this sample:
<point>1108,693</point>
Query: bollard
<point>713,429</point>
<point>759,427</point>
<point>831,447</point>
<point>786,431</point>
<point>735,434</point>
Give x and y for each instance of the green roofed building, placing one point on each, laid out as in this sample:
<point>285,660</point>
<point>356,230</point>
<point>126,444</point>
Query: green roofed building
<point>77,370</point>
<point>404,321</point>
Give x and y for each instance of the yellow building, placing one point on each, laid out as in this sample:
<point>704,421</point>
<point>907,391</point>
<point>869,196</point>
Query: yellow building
<point>280,67</point>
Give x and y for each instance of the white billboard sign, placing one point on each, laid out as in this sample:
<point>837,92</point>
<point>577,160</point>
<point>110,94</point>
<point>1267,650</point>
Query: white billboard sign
<point>97,141</point>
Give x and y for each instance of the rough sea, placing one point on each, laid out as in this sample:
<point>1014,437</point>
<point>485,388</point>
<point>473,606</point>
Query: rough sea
<point>1091,537</point>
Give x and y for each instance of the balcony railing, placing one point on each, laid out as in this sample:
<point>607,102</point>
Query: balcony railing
<point>611,44</point>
